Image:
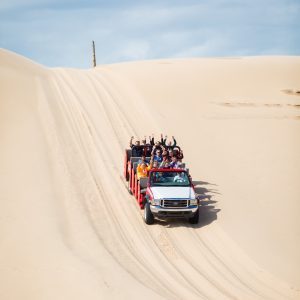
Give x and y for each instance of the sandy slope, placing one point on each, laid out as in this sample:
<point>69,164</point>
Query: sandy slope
<point>70,230</point>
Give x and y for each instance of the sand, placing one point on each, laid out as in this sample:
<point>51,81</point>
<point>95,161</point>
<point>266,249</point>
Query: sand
<point>70,230</point>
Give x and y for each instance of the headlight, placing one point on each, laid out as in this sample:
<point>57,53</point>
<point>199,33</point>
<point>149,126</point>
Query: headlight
<point>193,202</point>
<point>155,202</point>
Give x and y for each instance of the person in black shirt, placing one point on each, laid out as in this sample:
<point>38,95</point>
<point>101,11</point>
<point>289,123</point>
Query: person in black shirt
<point>147,147</point>
<point>137,148</point>
<point>178,153</point>
<point>168,146</point>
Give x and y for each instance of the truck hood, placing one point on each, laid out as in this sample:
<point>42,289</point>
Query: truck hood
<point>173,192</point>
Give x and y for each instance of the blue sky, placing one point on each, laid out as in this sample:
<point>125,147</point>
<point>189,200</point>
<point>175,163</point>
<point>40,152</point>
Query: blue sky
<point>59,33</point>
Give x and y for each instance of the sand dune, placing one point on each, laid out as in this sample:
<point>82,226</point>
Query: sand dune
<point>70,230</point>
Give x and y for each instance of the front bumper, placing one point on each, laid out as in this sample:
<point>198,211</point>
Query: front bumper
<point>160,211</point>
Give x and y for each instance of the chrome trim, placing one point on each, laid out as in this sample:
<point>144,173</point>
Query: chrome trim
<point>157,209</point>
<point>176,199</point>
<point>185,202</point>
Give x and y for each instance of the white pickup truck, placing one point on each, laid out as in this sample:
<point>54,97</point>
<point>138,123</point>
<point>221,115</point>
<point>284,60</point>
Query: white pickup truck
<point>170,193</point>
<point>164,193</point>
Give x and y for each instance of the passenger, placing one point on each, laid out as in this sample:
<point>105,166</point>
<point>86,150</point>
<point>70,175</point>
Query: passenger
<point>170,154</point>
<point>178,152</point>
<point>165,153</point>
<point>147,147</point>
<point>142,170</point>
<point>157,157</point>
<point>157,177</point>
<point>156,147</point>
<point>165,160</point>
<point>159,146</point>
<point>154,165</point>
<point>181,165</point>
<point>143,160</point>
<point>169,146</point>
<point>180,155</point>
<point>165,165</point>
<point>174,163</point>
<point>179,177</point>
<point>137,148</point>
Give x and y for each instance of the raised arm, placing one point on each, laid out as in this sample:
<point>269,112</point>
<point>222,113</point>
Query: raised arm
<point>151,140</point>
<point>161,139</point>
<point>130,142</point>
<point>174,142</point>
<point>164,142</point>
<point>151,162</point>
<point>153,150</point>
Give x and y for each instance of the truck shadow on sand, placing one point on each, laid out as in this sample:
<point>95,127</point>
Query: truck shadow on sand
<point>205,193</point>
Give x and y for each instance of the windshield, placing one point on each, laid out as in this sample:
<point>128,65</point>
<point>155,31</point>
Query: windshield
<point>169,179</point>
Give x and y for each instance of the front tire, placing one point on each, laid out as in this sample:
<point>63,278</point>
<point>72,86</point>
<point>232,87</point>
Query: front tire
<point>148,216</point>
<point>195,218</point>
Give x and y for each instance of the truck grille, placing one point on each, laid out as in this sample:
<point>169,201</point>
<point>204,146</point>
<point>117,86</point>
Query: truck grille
<point>175,203</point>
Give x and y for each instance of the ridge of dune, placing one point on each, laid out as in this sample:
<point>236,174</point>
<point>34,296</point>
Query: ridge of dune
<point>70,230</point>
<point>16,62</point>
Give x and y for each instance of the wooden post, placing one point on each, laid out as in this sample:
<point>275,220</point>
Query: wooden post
<point>94,55</point>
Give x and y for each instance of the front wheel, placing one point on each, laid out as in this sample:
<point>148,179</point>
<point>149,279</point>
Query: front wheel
<point>148,216</point>
<point>195,218</point>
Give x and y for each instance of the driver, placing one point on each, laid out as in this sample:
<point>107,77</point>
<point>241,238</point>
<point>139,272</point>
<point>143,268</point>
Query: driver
<point>179,177</point>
